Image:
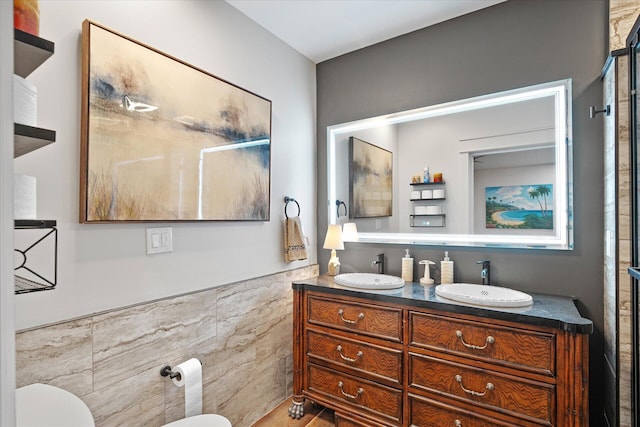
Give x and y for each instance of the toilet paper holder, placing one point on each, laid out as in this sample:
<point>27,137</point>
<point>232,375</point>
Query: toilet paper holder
<point>166,371</point>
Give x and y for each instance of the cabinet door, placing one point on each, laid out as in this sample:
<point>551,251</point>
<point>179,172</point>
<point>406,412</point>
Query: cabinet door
<point>431,413</point>
<point>359,395</point>
<point>350,420</point>
<point>494,344</point>
<point>514,396</point>
<point>369,319</point>
<point>380,363</point>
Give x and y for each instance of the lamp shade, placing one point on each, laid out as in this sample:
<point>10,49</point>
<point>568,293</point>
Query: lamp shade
<point>349,232</point>
<point>333,239</point>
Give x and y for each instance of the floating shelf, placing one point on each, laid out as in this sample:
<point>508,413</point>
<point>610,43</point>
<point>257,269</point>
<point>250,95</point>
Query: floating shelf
<point>34,223</point>
<point>29,52</point>
<point>428,200</point>
<point>428,183</point>
<point>433,220</point>
<point>29,138</point>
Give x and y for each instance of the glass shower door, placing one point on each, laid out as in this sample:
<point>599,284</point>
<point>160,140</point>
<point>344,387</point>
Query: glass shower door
<point>634,124</point>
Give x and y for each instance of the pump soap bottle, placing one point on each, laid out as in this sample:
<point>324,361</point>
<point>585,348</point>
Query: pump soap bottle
<point>407,267</point>
<point>446,270</point>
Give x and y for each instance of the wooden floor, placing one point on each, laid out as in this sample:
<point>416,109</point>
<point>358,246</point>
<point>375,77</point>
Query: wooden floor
<point>314,416</point>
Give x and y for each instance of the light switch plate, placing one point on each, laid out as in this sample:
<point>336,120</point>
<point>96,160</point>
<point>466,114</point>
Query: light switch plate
<point>159,240</point>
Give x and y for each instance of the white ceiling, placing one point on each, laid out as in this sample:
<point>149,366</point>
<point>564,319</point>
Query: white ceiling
<point>324,29</point>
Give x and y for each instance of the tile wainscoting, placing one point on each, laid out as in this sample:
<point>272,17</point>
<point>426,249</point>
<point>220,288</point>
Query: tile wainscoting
<point>241,333</point>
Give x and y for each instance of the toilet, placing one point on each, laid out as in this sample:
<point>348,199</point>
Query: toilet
<point>204,420</point>
<point>59,408</point>
<point>45,405</point>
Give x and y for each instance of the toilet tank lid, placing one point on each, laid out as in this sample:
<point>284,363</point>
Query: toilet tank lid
<point>56,407</point>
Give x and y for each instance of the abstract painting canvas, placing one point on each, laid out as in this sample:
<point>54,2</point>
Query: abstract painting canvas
<point>371,178</point>
<point>520,206</point>
<point>165,141</point>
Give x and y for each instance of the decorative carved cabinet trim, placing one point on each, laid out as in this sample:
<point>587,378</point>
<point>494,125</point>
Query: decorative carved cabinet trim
<point>379,361</point>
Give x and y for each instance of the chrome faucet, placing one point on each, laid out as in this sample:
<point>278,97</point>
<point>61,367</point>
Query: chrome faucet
<point>379,261</point>
<point>485,274</point>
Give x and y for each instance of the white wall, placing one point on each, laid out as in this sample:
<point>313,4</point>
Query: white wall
<point>106,266</point>
<point>7,331</point>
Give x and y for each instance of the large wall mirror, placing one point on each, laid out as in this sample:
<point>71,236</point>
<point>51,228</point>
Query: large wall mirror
<point>502,163</point>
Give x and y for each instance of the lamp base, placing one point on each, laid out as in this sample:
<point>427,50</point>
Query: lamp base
<point>333,268</point>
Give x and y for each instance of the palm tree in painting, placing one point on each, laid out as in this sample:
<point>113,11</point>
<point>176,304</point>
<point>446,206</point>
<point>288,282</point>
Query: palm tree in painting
<point>543,191</point>
<point>535,194</point>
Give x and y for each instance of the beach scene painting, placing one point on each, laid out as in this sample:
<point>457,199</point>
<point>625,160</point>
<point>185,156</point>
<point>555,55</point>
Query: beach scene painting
<point>163,140</point>
<point>371,176</point>
<point>520,207</point>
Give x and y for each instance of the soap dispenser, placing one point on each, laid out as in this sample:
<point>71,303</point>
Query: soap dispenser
<point>446,269</point>
<point>426,280</point>
<point>407,267</point>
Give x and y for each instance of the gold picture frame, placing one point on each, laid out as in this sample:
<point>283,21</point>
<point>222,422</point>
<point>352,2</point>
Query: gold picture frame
<point>163,140</point>
<point>371,180</point>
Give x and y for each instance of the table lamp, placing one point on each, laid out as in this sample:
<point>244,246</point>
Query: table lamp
<point>349,232</point>
<point>333,241</point>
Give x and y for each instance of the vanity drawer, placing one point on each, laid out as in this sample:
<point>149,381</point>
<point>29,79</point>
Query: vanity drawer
<point>350,420</point>
<point>494,344</point>
<point>378,361</point>
<point>362,396</point>
<point>511,395</point>
<point>431,413</point>
<point>373,320</point>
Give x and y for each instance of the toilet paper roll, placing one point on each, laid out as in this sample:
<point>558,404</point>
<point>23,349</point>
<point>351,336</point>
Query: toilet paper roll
<point>25,102</point>
<point>438,194</point>
<point>434,210</point>
<point>415,195</point>
<point>420,210</point>
<point>427,194</point>
<point>24,197</point>
<point>191,378</point>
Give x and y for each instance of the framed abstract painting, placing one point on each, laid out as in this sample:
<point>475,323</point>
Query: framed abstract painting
<point>163,140</point>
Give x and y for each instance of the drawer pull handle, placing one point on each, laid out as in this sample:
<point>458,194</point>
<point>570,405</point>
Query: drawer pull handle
<point>352,322</point>
<point>489,386</point>
<point>458,423</point>
<point>489,340</point>
<point>350,396</point>
<point>349,359</point>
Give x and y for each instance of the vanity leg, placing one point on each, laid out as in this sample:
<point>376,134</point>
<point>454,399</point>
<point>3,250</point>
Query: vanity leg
<point>296,411</point>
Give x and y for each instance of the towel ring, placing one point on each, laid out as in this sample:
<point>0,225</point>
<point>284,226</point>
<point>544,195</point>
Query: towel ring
<point>288,199</point>
<point>341,203</point>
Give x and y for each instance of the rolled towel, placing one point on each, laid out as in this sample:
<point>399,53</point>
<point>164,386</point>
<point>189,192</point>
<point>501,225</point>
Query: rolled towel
<point>294,247</point>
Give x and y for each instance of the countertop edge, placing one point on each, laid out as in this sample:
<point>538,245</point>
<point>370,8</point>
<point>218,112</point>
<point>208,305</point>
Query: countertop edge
<point>576,324</point>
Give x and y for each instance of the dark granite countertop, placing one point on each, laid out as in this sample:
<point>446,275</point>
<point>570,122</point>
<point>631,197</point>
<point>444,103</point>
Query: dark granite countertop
<point>553,311</point>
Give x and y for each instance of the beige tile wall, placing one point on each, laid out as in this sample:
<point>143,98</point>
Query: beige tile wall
<point>622,16</point>
<point>624,245</point>
<point>241,332</point>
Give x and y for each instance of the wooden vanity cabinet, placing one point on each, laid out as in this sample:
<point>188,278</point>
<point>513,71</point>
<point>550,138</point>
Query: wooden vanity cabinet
<point>381,363</point>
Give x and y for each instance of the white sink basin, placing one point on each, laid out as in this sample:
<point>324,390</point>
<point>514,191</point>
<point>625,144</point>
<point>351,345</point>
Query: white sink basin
<point>490,296</point>
<point>369,281</point>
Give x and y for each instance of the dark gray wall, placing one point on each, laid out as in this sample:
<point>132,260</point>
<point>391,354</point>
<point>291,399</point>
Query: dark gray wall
<point>510,45</point>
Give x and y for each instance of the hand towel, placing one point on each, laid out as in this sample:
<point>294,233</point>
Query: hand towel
<point>294,247</point>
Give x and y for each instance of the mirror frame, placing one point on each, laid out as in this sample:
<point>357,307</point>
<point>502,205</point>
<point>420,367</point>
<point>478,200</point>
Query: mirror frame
<point>563,237</point>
